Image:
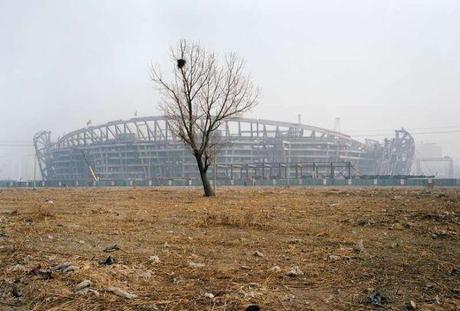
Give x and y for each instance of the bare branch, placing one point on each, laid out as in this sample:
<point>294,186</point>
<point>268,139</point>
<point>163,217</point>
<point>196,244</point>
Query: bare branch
<point>202,94</point>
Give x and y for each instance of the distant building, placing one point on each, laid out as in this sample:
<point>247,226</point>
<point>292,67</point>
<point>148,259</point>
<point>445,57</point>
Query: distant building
<point>430,160</point>
<point>147,149</point>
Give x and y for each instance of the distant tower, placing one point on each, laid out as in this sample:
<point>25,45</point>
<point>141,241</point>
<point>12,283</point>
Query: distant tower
<point>299,118</point>
<point>337,124</point>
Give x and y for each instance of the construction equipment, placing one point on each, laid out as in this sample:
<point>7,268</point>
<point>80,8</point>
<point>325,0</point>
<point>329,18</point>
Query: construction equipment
<point>90,168</point>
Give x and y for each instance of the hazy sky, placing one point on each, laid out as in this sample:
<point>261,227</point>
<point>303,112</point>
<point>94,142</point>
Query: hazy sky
<point>378,65</point>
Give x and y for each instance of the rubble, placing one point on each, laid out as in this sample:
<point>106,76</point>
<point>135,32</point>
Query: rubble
<point>109,261</point>
<point>411,305</point>
<point>294,241</point>
<point>16,292</point>
<point>209,295</point>
<point>83,284</point>
<point>377,299</point>
<point>87,290</point>
<point>154,259</point>
<point>60,267</point>
<point>259,254</point>
<point>334,258</point>
<point>121,293</point>
<point>196,265</point>
<point>37,271</point>
<point>359,246</point>
<point>295,271</point>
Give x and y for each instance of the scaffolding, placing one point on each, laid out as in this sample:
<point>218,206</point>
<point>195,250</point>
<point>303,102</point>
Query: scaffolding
<point>146,149</point>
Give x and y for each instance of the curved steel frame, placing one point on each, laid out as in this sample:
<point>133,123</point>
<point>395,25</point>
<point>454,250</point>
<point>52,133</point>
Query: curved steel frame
<point>156,129</point>
<point>145,148</point>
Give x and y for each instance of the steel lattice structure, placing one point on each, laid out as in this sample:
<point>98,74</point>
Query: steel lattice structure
<point>146,149</point>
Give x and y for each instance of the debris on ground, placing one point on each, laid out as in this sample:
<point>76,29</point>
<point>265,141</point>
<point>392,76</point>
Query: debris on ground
<point>121,293</point>
<point>154,259</point>
<point>208,245</point>
<point>147,274</point>
<point>295,271</point>
<point>87,290</point>
<point>70,269</point>
<point>109,261</point>
<point>83,284</point>
<point>359,246</point>
<point>294,241</point>
<point>443,234</point>
<point>377,299</point>
<point>16,292</point>
<point>196,264</point>
<point>334,257</point>
<point>45,274</point>
<point>209,295</point>
<point>259,254</point>
<point>112,248</point>
<point>60,267</point>
<point>411,305</point>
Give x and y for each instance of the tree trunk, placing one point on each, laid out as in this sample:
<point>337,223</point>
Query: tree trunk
<point>208,190</point>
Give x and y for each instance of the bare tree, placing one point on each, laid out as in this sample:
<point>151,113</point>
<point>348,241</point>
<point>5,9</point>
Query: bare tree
<point>199,95</point>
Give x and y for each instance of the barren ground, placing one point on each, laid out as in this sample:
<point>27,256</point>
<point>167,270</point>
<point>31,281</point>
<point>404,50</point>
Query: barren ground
<point>349,245</point>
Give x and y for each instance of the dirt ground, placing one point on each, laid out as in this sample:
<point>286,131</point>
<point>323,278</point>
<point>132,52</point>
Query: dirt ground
<point>276,249</point>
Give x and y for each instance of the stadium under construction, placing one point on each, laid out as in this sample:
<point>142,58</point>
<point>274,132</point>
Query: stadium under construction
<point>145,149</point>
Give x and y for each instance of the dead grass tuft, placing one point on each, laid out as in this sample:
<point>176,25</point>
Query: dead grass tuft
<point>244,220</point>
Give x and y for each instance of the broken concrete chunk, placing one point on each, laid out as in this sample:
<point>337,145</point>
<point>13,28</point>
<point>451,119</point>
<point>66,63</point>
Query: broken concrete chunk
<point>295,271</point>
<point>259,254</point>
<point>359,247</point>
<point>411,305</point>
<point>333,257</point>
<point>147,274</point>
<point>121,293</point>
<point>209,295</point>
<point>154,259</point>
<point>83,284</point>
<point>196,265</point>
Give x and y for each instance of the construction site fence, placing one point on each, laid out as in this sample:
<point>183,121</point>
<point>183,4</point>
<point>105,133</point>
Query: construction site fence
<point>411,182</point>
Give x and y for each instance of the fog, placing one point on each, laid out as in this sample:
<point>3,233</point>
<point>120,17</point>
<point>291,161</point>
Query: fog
<point>378,65</point>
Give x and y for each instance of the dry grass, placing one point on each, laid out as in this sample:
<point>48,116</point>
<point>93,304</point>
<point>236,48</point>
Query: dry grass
<point>410,238</point>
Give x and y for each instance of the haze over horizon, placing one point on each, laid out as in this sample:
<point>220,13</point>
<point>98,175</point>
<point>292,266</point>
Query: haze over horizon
<point>378,65</point>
